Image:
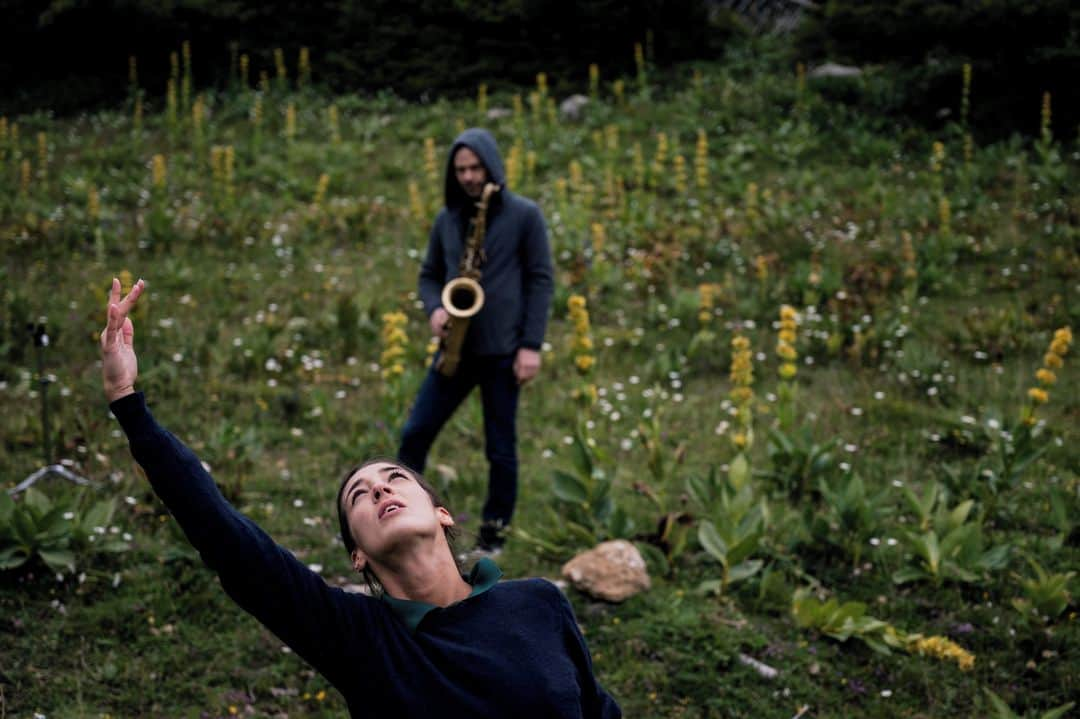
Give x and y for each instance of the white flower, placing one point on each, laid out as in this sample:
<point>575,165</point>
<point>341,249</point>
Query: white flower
<point>298,503</point>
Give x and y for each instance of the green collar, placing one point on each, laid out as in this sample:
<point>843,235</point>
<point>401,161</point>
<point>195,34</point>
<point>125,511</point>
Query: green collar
<point>484,575</point>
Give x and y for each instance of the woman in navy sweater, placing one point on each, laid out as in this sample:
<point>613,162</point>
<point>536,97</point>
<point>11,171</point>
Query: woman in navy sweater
<point>434,643</point>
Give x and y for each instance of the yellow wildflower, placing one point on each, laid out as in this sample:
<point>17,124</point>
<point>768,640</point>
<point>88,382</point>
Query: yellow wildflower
<point>788,370</point>
<point>1045,376</point>
<point>584,362</point>
<point>1053,361</point>
<point>1037,395</point>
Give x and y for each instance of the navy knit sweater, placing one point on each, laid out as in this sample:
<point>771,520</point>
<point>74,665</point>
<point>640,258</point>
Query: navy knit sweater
<point>513,650</point>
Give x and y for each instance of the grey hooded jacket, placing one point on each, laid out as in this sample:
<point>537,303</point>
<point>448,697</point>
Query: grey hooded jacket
<point>516,275</point>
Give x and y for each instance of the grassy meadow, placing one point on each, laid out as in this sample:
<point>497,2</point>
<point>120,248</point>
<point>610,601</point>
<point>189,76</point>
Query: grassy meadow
<point>814,363</point>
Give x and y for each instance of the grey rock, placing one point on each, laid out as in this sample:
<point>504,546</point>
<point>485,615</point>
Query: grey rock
<point>572,107</point>
<point>831,69</point>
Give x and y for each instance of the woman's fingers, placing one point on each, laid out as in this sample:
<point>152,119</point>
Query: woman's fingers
<point>128,302</point>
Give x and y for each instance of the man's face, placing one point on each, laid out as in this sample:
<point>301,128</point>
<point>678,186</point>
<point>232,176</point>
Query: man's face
<point>470,172</point>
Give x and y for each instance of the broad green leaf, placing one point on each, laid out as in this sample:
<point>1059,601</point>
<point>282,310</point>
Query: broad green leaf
<point>7,509</point>
<point>995,558</point>
<point>658,563</point>
<point>1058,712</point>
<point>744,570</point>
<point>12,557</point>
<point>1000,707</point>
<point>711,541</point>
<point>99,514</point>
<point>739,471</point>
<point>58,559</point>
<point>960,513</point>
<point>876,645</point>
<point>36,501</point>
<point>581,457</point>
<point>711,586</point>
<point>908,574</point>
<point>569,488</point>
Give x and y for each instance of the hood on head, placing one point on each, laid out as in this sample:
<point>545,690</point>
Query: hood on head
<point>483,144</point>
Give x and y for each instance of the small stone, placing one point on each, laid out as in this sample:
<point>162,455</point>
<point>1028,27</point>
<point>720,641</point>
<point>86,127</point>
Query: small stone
<point>571,107</point>
<point>613,571</point>
<point>832,69</point>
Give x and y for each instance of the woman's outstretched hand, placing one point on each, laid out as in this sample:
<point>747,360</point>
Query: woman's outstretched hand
<point>119,366</point>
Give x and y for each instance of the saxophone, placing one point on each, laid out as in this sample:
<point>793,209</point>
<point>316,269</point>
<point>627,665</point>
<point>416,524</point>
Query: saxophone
<point>462,297</point>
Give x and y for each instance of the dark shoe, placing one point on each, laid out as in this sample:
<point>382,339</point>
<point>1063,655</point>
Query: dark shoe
<point>492,537</point>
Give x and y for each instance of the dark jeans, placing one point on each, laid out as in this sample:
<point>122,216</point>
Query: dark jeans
<point>439,396</point>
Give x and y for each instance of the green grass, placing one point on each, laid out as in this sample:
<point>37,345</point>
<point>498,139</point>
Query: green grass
<point>263,274</point>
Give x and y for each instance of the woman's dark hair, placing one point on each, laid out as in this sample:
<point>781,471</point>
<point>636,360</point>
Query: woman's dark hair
<point>343,520</point>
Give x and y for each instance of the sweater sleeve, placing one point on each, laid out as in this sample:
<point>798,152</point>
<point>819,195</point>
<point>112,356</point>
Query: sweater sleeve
<point>538,281</point>
<point>595,702</point>
<point>265,579</point>
<point>433,269</point>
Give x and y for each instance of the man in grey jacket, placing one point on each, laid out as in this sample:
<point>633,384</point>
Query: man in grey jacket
<point>502,347</point>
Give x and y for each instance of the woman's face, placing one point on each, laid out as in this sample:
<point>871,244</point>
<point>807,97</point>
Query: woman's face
<point>388,511</point>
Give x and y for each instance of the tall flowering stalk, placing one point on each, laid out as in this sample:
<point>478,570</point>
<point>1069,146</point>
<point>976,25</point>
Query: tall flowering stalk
<point>530,167</point>
<point>965,108</point>
<point>43,157</point>
<point>513,164</point>
<point>198,115</point>
<point>1045,376</point>
<point>245,71</point>
<point>185,83</point>
<point>93,207</point>
<point>581,349</point>
<point>3,139</point>
<point>642,76</point>
<point>303,76</point>
<point>290,122</point>
<point>681,183</point>
<point>911,266</point>
<point>256,116</point>
<point>230,172</point>
<point>618,88</point>
<point>334,124</point>
<point>742,394</point>
<point>394,340</point>
<point>639,166</point>
<point>158,175</point>
<point>594,81</point>
<point>431,166</point>
<point>941,648</point>
<point>24,176</point>
<point>707,294</point>
<point>753,215</point>
<point>701,160</point>
<point>282,72</point>
<point>787,353</point>
<point>1045,133</point>
<point>416,204</point>
<point>482,99</point>
<point>659,160</point>
<point>170,105</point>
<point>320,191</point>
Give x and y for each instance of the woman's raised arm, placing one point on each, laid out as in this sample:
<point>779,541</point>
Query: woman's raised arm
<point>262,577</point>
